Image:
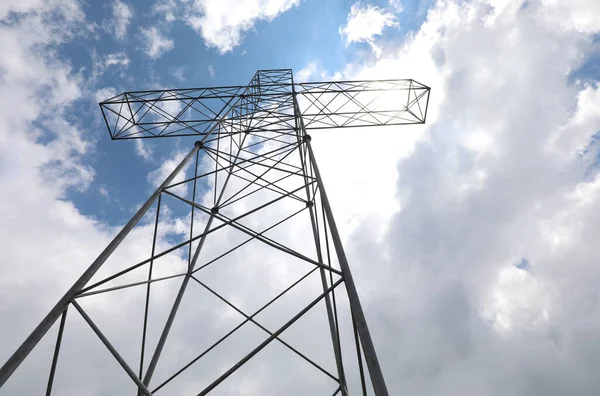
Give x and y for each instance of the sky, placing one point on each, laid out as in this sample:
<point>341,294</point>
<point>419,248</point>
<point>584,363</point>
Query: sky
<point>471,238</point>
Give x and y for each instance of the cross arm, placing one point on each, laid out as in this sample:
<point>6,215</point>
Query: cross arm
<point>335,104</point>
<point>194,111</point>
<point>170,112</point>
<point>329,104</point>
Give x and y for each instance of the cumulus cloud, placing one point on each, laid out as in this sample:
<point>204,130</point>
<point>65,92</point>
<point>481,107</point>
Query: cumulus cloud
<point>314,71</point>
<point>489,183</point>
<point>42,157</point>
<point>105,93</point>
<point>143,149</point>
<point>157,176</point>
<point>365,22</point>
<point>43,153</point>
<point>155,43</point>
<point>306,72</point>
<point>220,25</point>
<point>179,73</point>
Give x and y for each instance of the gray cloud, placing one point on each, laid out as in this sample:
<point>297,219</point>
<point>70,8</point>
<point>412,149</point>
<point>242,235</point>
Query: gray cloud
<point>488,186</point>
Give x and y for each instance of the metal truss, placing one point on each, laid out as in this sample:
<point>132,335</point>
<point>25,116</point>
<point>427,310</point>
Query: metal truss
<point>251,180</point>
<point>333,104</point>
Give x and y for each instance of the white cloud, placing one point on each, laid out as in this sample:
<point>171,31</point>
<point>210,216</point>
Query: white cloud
<point>223,26</point>
<point>104,192</point>
<point>220,25</point>
<point>47,241</point>
<point>582,14</point>
<point>365,22</point>
<point>314,72</point>
<point>397,5</point>
<point>488,182</point>
<point>167,8</point>
<point>105,93</point>
<point>157,176</point>
<point>117,59</point>
<point>101,64</point>
<point>143,149</point>
<point>307,72</point>
<point>211,71</point>
<point>42,155</point>
<point>155,44</point>
<point>122,14</point>
<point>179,73</point>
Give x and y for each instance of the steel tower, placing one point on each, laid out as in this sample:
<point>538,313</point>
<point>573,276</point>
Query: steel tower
<point>244,220</point>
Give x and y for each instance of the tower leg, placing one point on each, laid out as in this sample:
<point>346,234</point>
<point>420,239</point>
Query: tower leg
<point>355,307</point>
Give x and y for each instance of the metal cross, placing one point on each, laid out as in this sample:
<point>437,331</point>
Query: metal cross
<point>250,174</point>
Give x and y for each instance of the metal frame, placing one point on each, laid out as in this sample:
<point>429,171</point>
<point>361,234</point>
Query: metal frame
<point>256,138</point>
<point>324,105</point>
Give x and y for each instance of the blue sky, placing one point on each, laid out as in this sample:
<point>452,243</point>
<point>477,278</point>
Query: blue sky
<point>473,238</point>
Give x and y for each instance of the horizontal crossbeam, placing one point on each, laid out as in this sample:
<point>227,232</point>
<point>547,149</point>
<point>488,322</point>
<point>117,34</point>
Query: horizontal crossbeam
<point>241,108</point>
